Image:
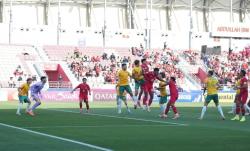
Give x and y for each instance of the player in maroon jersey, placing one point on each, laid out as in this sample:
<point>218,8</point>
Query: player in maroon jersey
<point>83,94</point>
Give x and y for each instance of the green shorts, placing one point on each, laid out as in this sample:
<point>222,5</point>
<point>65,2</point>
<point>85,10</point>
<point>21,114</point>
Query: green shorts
<point>213,97</point>
<point>124,88</point>
<point>139,83</point>
<point>24,99</point>
<point>163,99</point>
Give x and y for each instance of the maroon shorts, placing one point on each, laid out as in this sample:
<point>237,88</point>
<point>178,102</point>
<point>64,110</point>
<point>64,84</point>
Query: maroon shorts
<point>243,97</point>
<point>83,98</point>
<point>173,99</point>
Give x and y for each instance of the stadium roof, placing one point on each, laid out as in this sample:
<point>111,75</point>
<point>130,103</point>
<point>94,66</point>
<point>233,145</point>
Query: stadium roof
<point>197,4</point>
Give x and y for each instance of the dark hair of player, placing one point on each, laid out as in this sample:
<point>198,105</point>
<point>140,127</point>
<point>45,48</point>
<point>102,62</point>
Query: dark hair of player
<point>137,62</point>
<point>243,72</point>
<point>143,60</point>
<point>42,78</point>
<point>211,72</point>
<point>163,75</point>
<point>156,69</point>
<point>29,79</point>
<point>124,64</point>
<point>173,78</point>
<point>84,79</point>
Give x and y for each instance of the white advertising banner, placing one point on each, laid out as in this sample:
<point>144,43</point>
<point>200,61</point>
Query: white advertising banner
<point>231,30</point>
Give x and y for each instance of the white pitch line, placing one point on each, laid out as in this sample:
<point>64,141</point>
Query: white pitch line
<point>119,117</point>
<point>97,126</point>
<point>56,137</point>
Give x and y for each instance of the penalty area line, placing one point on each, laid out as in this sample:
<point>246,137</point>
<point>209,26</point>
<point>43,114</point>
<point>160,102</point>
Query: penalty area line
<point>120,117</point>
<point>56,137</point>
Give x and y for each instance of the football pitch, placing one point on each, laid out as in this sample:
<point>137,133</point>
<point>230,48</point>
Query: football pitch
<point>60,126</point>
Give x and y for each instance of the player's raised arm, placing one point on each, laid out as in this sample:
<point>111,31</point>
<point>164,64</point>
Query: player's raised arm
<point>75,89</point>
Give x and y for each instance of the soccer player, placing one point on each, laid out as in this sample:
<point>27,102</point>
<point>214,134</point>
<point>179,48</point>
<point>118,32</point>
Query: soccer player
<point>173,98</point>
<point>36,94</point>
<point>123,82</point>
<point>150,77</point>
<point>119,99</point>
<point>144,66</point>
<point>139,80</point>
<point>23,95</point>
<point>83,95</point>
<point>212,86</point>
<point>240,104</point>
<point>163,95</point>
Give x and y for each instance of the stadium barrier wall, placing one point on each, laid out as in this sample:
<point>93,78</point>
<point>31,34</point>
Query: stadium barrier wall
<point>109,95</point>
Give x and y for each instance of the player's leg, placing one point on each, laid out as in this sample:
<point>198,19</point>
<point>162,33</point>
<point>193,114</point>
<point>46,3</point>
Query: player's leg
<point>27,100</point>
<point>80,104</point>
<point>129,91</point>
<point>36,98</point>
<point>151,95</point>
<point>119,104</point>
<point>204,108</point>
<point>238,104</point>
<point>243,102</point>
<point>216,101</point>
<point>139,97</point>
<point>163,101</point>
<point>126,104</point>
<point>87,105</point>
<point>20,104</point>
<point>234,105</point>
<point>176,113</point>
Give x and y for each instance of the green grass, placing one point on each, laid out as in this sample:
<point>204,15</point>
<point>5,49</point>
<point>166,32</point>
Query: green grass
<point>121,132</point>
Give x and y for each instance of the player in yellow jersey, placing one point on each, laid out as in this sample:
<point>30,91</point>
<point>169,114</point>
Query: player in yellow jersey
<point>163,95</point>
<point>23,95</point>
<point>123,81</point>
<point>212,86</point>
<point>120,98</point>
<point>139,80</point>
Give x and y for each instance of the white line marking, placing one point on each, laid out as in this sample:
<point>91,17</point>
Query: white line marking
<point>56,137</point>
<point>98,126</point>
<point>119,117</point>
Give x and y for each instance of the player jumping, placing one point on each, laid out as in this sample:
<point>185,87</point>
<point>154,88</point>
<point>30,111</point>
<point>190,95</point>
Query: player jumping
<point>173,98</point>
<point>242,99</point>
<point>36,94</point>
<point>23,95</point>
<point>123,82</point>
<point>83,95</point>
<point>212,86</point>
<point>139,80</point>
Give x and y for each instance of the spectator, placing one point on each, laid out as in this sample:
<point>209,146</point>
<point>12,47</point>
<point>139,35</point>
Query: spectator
<point>11,83</point>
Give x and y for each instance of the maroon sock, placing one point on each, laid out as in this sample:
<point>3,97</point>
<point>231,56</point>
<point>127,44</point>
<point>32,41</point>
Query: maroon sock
<point>167,109</point>
<point>174,109</point>
<point>80,105</point>
<point>145,99</point>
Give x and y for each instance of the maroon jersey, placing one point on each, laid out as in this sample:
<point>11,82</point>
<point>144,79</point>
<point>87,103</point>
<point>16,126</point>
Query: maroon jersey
<point>150,77</point>
<point>145,68</point>
<point>242,82</point>
<point>84,89</point>
<point>173,88</point>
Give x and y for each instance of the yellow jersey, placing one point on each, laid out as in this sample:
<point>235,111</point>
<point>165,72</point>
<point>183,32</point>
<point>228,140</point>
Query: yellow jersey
<point>238,84</point>
<point>162,88</point>
<point>137,72</point>
<point>24,89</point>
<point>123,78</point>
<point>211,85</point>
<point>118,92</point>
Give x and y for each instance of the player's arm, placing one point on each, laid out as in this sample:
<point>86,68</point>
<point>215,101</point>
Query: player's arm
<point>243,85</point>
<point>204,88</point>
<point>74,89</point>
<point>89,90</point>
<point>19,89</point>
